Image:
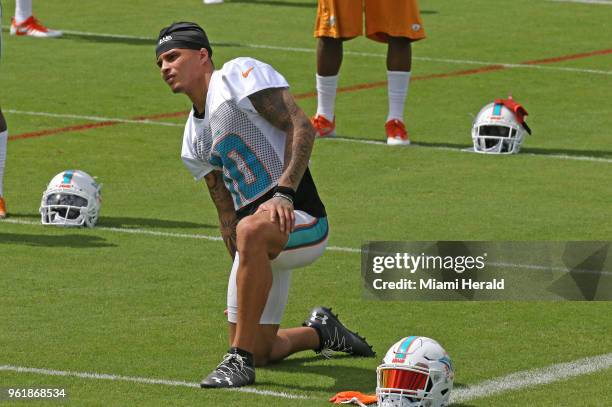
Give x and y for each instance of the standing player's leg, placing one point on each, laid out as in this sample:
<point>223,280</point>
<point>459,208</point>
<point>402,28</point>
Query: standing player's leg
<point>3,140</point>
<point>24,22</point>
<point>329,60</point>
<point>337,21</point>
<point>397,23</point>
<point>399,64</point>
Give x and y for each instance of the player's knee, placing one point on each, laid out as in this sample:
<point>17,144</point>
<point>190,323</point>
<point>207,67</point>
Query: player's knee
<point>255,234</point>
<point>249,233</point>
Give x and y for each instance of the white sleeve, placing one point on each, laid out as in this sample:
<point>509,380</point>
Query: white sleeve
<point>196,166</point>
<point>245,76</point>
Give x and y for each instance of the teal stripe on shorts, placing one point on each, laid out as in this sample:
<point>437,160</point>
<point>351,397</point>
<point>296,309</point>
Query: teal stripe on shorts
<point>308,235</point>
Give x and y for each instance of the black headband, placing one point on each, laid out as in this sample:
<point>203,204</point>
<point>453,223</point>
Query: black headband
<point>182,35</point>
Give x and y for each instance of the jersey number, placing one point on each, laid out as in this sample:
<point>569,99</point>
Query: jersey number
<point>245,169</point>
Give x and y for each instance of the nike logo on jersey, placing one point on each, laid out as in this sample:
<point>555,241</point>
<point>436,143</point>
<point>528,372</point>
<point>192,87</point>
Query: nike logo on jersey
<point>247,72</point>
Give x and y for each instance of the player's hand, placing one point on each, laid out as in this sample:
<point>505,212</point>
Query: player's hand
<point>281,211</point>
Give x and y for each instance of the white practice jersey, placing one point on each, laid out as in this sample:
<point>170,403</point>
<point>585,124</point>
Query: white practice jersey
<point>232,136</point>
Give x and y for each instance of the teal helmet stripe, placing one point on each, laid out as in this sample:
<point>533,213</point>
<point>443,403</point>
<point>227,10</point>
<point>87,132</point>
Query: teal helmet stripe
<point>68,177</point>
<point>308,235</point>
<point>401,352</point>
<point>497,109</point>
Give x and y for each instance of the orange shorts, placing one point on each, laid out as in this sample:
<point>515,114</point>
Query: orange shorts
<point>384,18</point>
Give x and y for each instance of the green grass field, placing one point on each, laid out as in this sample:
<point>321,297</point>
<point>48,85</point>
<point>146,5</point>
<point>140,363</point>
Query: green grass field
<point>149,304</point>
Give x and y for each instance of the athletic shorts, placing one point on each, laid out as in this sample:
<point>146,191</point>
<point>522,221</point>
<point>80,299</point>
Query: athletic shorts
<point>384,18</point>
<point>305,245</point>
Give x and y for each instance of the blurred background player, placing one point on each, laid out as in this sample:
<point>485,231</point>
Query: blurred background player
<point>395,22</point>
<point>3,140</point>
<point>24,22</point>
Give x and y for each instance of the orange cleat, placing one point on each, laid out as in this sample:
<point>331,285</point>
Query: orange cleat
<point>33,28</point>
<point>2,208</point>
<point>324,127</point>
<point>396,133</point>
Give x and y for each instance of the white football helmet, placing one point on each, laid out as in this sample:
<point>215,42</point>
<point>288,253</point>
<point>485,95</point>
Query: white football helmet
<point>72,198</point>
<point>500,128</point>
<point>416,372</point>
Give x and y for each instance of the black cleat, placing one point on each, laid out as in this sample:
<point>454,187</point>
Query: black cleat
<point>234,371</point>
<point>335,337</point>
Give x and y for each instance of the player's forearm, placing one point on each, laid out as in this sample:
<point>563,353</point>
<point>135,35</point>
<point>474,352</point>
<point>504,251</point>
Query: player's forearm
<point>227,225</point>
<point>297,152</point>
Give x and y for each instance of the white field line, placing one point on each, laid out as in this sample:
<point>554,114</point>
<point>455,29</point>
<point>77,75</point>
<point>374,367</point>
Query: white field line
<point>512,382</point>
<point>365,54</point>
<point>341,139</point>
<point>444,148</point>
<point>93,118</point>
<point>536,267</point>
<point>532,378</point>
<point>606,2</point>
<point>144,380</point>
<point>330,248</point>
<point>165,234</point>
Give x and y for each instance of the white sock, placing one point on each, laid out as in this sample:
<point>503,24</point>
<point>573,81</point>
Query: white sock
<point>23,10</point>
<point>326,95</point>
<point>397,88</point>
<point>3,140</point>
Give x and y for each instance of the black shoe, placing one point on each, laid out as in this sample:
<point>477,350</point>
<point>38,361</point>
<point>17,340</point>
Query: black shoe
<point>234,371</point>
<point>335,337</point>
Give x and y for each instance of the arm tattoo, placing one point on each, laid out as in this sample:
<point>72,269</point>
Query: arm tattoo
<point>225,208</point>
<point>278,107</point>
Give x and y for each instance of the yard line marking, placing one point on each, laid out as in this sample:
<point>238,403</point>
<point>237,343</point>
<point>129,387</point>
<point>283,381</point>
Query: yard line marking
<point>489,68</point>
<point>462,150</point>
<point>606,2</point>
<point>166,234</point>
<point>128,230</point>
<point>330,248</point>
<point>67,129</point>
<point>569,57</point>
<point>532,378</point>
<point>356,53</point>
<point>144,380</point>
<point>548,268</point>
<point>103,122</point>
<point>105,35</point>
<point>514,381</point>
<point>93,118</point>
